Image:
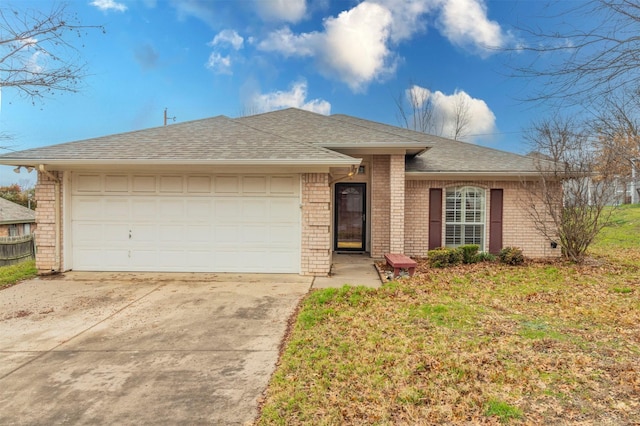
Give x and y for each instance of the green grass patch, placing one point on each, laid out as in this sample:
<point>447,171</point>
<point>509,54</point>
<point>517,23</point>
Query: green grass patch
<point>622,231</point>
<point>538,330</point>
<point>455,315</point>
<point>622,290</point>
<point>12,274</point>
<point>505,412</point>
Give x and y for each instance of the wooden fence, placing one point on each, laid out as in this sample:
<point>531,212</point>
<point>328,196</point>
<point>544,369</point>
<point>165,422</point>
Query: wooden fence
<point>16,249</point>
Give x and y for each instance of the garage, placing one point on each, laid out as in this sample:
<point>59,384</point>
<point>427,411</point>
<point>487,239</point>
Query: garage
<point>184,222</point>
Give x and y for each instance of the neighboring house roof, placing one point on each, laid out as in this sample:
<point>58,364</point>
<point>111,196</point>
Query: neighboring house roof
<point>290,136</point>
<point>11,212</point>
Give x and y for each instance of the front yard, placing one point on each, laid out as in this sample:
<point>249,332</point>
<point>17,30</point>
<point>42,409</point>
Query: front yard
<point>544,343</point>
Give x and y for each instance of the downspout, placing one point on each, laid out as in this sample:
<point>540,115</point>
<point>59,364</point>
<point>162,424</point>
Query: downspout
<point>56,198</point>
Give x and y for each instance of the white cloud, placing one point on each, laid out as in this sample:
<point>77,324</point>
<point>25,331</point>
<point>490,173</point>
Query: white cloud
<point>353,46</point>
<point>32,63</point>
<point>408,16</point>
<point>219,64</point>
<point>281,10</point>
<point>285,42</point>
<point>228,38</point>
<point>466,24</point>
<point>296,97</point>
<point>204,10</point>
<point>357,46</point>
<point>27,42</point>
<point>106,5</point>
<point>480,119</point>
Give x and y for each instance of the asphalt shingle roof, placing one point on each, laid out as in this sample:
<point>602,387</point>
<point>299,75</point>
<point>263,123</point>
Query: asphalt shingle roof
<point>11,212</point>
<point>309,127</point>
<point>218,138</point>
<point>447,155</point>
<point>291,135</point>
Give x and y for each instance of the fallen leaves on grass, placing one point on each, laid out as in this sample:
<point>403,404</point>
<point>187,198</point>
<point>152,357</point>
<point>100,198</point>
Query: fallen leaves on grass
<point>545,343</point>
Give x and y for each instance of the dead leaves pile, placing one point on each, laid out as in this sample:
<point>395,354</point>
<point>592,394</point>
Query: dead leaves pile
<point>544,343</point>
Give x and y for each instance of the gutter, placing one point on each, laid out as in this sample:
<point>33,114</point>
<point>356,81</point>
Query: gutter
<point>346,161</point>
<point>57,223</point>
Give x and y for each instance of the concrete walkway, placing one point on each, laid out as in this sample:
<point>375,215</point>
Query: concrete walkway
<point>350,269</point>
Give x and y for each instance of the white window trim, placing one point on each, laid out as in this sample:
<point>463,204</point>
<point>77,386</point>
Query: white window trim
<point>463,222</point>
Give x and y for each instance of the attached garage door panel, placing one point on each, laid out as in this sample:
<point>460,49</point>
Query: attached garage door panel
<point>185,223</point>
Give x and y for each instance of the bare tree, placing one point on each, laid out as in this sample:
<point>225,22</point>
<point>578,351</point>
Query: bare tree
<point>568,200</point>
<point>461,118</point>
<point>617,125</point>
<point>418,109</point>
<point>592,49</point>
<point>419,115</point>
<point>37,55</point>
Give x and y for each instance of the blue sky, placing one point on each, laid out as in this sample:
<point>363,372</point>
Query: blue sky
<point>202,58</point>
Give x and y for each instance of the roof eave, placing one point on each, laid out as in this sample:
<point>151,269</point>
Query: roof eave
<point>17,221</point>
<point>412,149</point>
<point>173,162</point>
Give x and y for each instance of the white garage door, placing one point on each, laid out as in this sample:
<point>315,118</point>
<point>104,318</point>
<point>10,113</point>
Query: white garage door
<point>185,223</point>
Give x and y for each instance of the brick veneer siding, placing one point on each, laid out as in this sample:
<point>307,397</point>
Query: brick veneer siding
<point>416,217</point>
<point>518,228</point>
<point>380,205</point>
<point>316,221</point>
<point>397,202</point>
<point>46,261</point>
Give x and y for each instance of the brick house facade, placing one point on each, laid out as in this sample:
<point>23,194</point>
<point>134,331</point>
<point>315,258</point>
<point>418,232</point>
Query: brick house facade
<point>406,182</point>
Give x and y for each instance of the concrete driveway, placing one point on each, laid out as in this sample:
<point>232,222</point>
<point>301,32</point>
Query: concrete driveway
<point>106,348</point>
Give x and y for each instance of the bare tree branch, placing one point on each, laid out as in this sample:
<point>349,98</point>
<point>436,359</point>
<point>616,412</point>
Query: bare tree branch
<point>417,110</point>
<point>568,200</point>
<point>461,119</point>
<point>582,64</point>
<point>37,55</point>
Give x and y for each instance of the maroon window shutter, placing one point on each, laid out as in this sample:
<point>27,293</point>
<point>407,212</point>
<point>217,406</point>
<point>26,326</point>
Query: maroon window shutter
<point>435,218</point>
<point>495,222</point>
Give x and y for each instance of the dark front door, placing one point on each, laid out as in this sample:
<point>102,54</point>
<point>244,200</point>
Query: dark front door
<point>350,209</point>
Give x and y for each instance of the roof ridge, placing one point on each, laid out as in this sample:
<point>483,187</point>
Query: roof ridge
<point>314,146</point>
<point>336,117</point>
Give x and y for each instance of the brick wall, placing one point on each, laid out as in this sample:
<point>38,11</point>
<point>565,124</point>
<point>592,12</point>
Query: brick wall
<point>316,221</point>
<point>46,261</point>
<point>517,227</point>
<point>416,218</point>
<point>397,203</point>
<point>380,205</point>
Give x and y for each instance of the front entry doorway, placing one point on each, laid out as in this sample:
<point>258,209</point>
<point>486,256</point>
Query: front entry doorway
<point>350,217</point>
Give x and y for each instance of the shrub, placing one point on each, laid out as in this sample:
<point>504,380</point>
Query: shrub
<point>485,256</point>
<point>443,257</point>
<point>511,256</point>
<point>469,253</point>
